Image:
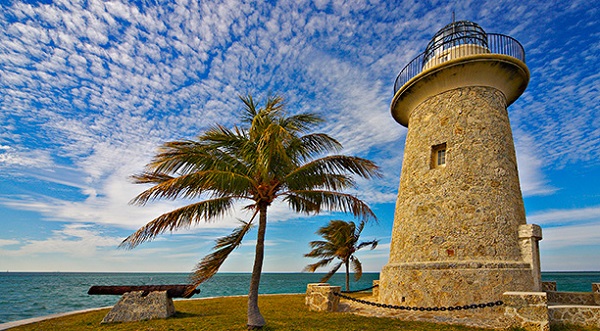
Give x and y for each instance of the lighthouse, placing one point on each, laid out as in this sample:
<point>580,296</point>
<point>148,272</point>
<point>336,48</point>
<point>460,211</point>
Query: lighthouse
<point>460,236</point>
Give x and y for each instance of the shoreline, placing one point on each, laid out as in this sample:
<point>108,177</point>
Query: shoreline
<point>13,324</point>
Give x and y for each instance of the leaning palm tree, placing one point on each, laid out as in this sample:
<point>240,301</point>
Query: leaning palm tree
<point>341,242</point>
<point>270,156</point>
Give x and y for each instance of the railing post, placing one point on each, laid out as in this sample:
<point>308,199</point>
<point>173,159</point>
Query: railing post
<point>528,310</point>
<point>549,286</point>
<point>596,292</point>
<point>376,289</point>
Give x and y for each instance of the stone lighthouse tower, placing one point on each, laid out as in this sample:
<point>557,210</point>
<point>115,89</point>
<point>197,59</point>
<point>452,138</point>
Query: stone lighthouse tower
<point>460,235</point>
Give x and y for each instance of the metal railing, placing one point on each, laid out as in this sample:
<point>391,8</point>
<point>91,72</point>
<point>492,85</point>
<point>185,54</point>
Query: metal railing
<point>496,44</point>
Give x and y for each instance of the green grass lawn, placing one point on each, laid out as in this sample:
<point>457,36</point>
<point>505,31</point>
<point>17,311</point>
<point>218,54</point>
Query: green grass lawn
<point>282,312</point>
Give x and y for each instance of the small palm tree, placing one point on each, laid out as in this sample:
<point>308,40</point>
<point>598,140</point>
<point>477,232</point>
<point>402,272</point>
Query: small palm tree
<point>341,242</point>
<point>270,156</point>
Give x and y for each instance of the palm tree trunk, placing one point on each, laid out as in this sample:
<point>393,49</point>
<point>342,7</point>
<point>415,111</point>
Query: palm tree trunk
<point>347,275</point>
<point>255,319</point>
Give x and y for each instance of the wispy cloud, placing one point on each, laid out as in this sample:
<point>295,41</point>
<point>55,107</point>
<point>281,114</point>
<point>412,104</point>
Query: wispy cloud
<point>90,89</point>
<point>566,216</point>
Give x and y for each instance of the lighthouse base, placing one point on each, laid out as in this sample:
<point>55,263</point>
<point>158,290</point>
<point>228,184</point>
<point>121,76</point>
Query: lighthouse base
<point>448,284</point>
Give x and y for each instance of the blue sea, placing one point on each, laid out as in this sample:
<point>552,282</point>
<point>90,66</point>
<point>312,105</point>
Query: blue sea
<point>32,294</point>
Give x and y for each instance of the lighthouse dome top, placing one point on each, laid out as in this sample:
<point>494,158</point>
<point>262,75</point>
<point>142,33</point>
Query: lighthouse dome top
<point>453,35</point>
<point>461,54</point>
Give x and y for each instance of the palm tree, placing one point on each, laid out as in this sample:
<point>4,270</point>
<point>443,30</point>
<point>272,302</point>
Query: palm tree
<point>341,242</point>
<point>269,156</point>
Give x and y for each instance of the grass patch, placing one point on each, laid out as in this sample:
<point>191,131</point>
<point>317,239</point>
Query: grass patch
<point>282,312</point>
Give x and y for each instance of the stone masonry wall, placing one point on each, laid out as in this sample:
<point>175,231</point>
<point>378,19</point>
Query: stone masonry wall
<point>456,228</point>
<point>471,208</point>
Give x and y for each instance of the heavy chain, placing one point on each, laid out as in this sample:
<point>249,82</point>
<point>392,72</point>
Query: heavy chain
<point>449,308</point>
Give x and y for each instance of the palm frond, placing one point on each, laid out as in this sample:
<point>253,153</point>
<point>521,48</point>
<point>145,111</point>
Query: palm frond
<point>358,230</point>
<point>323,181</point>
<point>331,272</point>
<point>250,110</point>
<point>317,143</point>
<point>151,177</point>
<point>339,164</point>
<point>315,201</point>
<point>211,263</point>
<point>372,243</point>
<point>180,218</point>
<point>322,263</point>
<point>321,249</point>
<point>356,267</point>
<point>299,204</point>
<point>175,155</point>
<point>301,122</point>
<point>220,138</point>
<point>184,157</point>
<point>192,185</point>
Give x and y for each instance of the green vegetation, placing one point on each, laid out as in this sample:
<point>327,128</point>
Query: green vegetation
<point>341,242</point>
<point>285,312</point>
<point>269,156</point>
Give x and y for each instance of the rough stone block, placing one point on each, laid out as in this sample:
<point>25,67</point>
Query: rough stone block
<point>376,288</point>
<point>530,231</point>
<point>587,316</point>
<point>133,306</point>
<point>321,297</point>
<point>548,286</point>
<point>528,310</point>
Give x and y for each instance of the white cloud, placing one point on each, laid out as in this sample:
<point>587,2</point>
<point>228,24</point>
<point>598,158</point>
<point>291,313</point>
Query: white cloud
<point>8,242</point>
<point>531,166</point>
<point>565,216</point>
<point>73,239</point>
<point>13,157</point>
<point>90,89</point>
<point>572,236</point>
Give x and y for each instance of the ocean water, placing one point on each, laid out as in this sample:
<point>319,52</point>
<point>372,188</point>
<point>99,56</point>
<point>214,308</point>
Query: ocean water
<point>25,295</point>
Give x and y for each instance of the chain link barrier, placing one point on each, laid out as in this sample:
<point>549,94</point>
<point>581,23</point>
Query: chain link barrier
<point>449,308</point>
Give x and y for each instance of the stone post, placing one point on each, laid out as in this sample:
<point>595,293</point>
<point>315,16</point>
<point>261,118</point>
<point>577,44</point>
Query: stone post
<point>548,286</point>
<point>528,310</point>
<point>321,297</point>
<point>596,292</point>
<point>376,289</point>
<point>529,237</point>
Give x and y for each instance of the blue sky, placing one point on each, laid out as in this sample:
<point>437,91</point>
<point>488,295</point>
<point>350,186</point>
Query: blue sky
<point>89,89</point>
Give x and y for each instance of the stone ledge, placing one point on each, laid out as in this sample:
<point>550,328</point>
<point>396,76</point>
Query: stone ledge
<point>573,298</point>
<point>462,265</point>
<point>530,231</point>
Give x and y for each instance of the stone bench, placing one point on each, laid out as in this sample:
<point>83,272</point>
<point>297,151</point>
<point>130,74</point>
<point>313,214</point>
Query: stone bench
<point>143,302</point>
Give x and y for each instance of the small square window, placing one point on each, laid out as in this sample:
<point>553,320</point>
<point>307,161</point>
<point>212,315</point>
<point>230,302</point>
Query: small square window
<point>441,157</point>
<point>438,155</point>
